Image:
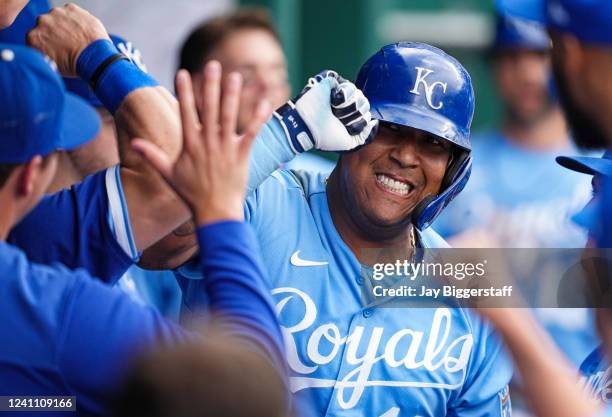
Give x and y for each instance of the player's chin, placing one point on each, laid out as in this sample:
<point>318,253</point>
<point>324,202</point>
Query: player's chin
<point>156,261</point>
<point>391,217</point>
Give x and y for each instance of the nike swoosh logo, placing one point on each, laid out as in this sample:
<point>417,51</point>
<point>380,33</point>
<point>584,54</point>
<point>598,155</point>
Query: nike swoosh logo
<point>297,261</point>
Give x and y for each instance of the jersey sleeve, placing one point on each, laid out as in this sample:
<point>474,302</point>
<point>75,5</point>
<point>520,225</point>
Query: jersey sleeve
<point>234,285</point>
<point>485,391</point>
<point>85,226</point>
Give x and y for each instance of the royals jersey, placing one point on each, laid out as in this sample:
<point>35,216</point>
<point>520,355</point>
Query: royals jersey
<point>347,359</point>
<point>596,376</point>
<point>86,226</point>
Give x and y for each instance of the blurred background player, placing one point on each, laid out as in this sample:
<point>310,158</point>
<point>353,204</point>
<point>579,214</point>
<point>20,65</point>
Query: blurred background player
<point>582,61</point>
<point>518,196</point>
<point>246,41</point>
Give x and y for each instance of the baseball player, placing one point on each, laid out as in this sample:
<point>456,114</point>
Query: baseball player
<point>347,358</point>
<point>103,223</point>
<point>68,334</point>
<point>158,289</point>
<point>596,368</point>
<point>581,60</point>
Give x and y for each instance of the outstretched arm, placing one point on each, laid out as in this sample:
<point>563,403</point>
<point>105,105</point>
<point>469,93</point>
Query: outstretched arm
<point>550,383</point>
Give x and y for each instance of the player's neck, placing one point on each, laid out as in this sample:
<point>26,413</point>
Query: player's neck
<point>357,237</point>
<point>7,215</point>
<point>548,133</point>
<point>65,176</point>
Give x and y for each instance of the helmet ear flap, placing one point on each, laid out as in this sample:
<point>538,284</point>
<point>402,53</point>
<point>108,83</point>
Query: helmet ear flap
<point>453,182</point>
<point>454,169</point>
<point>417,213</point>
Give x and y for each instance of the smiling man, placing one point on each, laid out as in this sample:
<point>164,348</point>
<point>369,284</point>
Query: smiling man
<point>347,358</point>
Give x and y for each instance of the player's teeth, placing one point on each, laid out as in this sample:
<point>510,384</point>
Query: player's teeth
<point>393,185</point>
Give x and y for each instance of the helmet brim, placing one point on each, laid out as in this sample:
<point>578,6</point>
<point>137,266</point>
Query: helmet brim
<point>428,121</point>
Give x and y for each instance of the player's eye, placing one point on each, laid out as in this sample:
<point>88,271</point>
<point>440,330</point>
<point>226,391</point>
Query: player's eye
<point>390,127</point>
<point>432,140</point>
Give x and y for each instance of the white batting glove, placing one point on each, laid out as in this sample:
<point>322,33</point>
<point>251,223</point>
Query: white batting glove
<point>330,114</point>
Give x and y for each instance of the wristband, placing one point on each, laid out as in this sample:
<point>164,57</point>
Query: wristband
<point>93,56</point>
<point>93,82</point>
<point>111,78</point>
<point>298,134</point>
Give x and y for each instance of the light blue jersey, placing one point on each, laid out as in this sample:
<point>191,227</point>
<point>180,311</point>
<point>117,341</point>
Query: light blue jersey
<point>597,376</point>
<point>349,360</point>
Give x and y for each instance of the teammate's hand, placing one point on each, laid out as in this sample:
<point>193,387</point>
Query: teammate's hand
<point>211,172</point>
<point>330,114</point>
<point>63,33</point>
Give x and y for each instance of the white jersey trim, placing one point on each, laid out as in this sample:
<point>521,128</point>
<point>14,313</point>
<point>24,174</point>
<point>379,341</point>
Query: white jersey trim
<point>118,218</point>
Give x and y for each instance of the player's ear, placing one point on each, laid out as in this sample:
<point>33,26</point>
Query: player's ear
<point>27,176</point>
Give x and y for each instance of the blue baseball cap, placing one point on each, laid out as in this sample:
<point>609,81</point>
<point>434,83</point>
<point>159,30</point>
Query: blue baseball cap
<point>83,90</point>
<point>25,21</point>
<point>37,115</point>
<point>515,32</point>
<point>588,164</point>
<point>588,20</point>
<point>588,217</point>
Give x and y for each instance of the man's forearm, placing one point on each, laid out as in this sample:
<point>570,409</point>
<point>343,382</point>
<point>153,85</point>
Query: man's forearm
<point>550,384</point>
<point>150,113</point>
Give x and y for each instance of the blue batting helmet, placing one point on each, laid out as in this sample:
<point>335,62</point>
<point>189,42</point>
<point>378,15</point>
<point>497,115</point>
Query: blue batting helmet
<point>422,87</point>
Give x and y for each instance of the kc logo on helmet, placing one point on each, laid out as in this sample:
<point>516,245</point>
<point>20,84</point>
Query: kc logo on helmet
<point>421,79</point>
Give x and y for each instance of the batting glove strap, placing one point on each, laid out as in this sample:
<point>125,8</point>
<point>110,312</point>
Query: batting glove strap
<point>297,132</point>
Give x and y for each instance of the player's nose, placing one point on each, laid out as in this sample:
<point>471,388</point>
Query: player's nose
<point>405,153</point>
